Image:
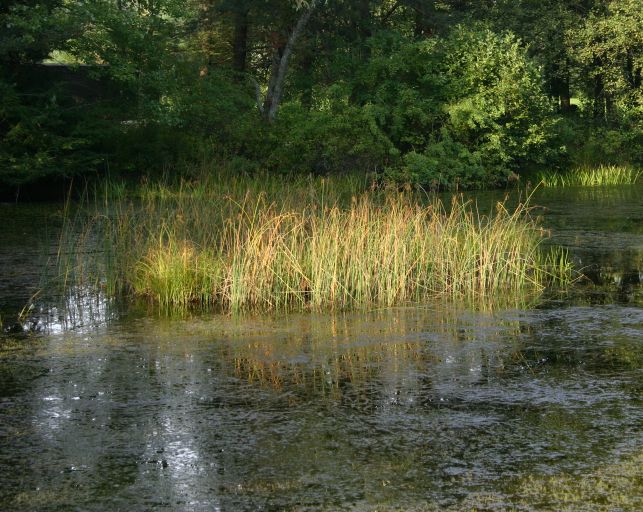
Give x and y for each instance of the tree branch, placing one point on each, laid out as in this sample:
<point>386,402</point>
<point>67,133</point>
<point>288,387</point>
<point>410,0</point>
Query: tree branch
<point>390,12</point>
<point>275,90</point>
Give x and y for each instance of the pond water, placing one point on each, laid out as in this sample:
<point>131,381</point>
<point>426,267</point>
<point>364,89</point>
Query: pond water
<point>431,407</point>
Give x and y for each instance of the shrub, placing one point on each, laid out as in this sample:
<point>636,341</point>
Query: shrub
<point>444,164</point>
<point>42,136</point>
<point>496,103</point>
<point>334,138</point>
<point>467,110</point>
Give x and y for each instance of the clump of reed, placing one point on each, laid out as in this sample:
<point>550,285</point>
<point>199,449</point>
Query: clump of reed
<point>602,175</point>
<point>309,249</point>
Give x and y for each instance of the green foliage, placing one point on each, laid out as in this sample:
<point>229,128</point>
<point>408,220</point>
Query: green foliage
<point>40,137</point>
<point>496,104</point>
<point>452,95</point>
<point>37,136</point>
<point>404,87</point>
<point>444,164</point>
<point>337,137</point>
<point>608,47</point>
<point>608,50</point>
<point>134,45</point>
<point>220,112</point>
<point>612,145</point>
<point>467,110</point>
<point>543,26</point>
<point>30,29</point>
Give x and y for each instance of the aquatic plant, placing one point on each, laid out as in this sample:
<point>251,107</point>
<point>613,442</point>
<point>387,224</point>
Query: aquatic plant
<point>591,176</point>
<point>613,486</point>
<point>236,246</point>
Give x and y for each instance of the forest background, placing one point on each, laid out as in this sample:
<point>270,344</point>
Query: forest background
<point>447,94</point>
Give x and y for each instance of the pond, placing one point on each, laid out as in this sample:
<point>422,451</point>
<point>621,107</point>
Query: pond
<point>430,407</point>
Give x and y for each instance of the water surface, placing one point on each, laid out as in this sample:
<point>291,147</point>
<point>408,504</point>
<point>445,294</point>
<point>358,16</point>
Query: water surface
<point>430,407</point>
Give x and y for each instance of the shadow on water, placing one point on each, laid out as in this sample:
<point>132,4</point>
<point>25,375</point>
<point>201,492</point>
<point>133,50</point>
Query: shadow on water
<point>28,236</point>
<point>423,408</point>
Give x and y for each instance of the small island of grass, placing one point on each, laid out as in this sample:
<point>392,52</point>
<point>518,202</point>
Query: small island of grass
<point>269,243</point>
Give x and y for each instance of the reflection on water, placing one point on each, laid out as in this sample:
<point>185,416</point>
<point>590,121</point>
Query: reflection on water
<point>404,407</point>
<point>602,227</point>
<point>79,309</point>
<point>425,408</point>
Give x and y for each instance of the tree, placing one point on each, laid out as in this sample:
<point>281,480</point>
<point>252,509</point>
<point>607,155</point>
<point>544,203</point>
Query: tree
<point>608,48</point>
<point>443,91</point>
<point>543,26</point>
<point>37,136</point>
<point>280,60</point>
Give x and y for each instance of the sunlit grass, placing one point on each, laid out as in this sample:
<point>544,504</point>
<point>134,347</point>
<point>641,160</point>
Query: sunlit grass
<point>315,244</point>
<point>591,176</point>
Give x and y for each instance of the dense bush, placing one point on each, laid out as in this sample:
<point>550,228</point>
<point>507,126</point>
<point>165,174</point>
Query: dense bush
<point>496,102</point>
<point>444,163</point>
<point>42,137</point>
<point>334,137</point>
<point>467,110</point>
<point>464,111</point>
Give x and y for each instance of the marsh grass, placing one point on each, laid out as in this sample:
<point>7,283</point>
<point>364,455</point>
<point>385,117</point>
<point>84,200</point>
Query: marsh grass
<point>591,177</point>
<point>315,244</point>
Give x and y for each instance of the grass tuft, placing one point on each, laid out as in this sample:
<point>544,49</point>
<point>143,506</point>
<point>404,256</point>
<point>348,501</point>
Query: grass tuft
<point>269,244</point>
<point>591,177</point>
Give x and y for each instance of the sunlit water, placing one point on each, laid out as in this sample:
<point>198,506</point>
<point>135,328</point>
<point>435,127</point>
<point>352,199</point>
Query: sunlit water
<point>419,408</point>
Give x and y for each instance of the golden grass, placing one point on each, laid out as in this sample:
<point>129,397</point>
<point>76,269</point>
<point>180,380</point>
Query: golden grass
<point>304,247</point>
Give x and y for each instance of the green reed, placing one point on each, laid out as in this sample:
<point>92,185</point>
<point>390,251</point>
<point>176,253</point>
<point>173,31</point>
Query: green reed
<point>591,176</point>
<point>314,244</point>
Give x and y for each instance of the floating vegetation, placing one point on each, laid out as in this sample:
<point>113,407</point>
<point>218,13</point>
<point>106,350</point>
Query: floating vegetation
<point>591,176</point>
<point>239,247</point>
<point>616,486</point>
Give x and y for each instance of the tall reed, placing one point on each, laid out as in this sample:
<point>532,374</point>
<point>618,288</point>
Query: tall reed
<point>238,248</point>
<point>591,176</point>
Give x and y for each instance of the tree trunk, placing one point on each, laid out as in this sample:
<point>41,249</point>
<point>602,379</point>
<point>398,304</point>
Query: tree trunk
<point>240,40</point>
<point>599,98</point>
<point>280,59</point>
<point>560,90</point>
<point>277,56</point>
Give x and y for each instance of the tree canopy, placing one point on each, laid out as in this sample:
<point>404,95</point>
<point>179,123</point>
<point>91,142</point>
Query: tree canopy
<point>449,93</point>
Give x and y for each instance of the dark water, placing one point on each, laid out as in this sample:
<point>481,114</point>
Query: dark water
<point>424,408</point>
<point>27,242</point>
